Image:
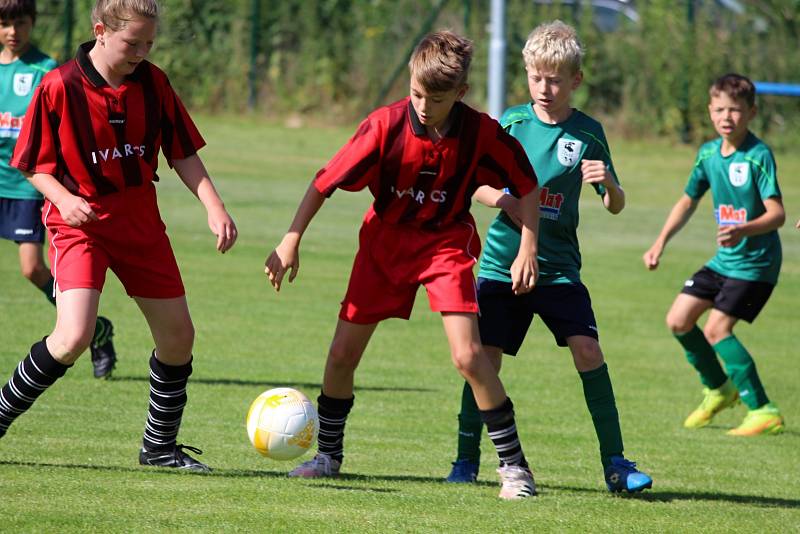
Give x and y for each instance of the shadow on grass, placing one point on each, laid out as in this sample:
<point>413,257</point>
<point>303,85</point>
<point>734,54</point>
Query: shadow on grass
<point>340,483</point>
<point>268,383</point>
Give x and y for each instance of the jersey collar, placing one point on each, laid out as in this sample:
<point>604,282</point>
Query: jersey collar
<point>85,64</point>
<point>456,114</point>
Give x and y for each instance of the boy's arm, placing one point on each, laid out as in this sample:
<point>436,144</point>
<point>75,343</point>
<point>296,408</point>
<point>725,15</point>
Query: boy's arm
<point>681,212</point>
<point>496,198</point>
<point>73,209</point>
<point>597,172</point>
<point>772,219</point>
<point>286,255</point>
<point>525,269</point>
<point>193,173</point>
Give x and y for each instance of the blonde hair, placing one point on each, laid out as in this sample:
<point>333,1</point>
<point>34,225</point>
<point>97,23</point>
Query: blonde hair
<point>115,14</point>
<point>440,61</point>
<point>553,45</point>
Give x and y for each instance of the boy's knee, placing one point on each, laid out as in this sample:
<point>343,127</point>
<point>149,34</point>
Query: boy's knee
<point>343,355</point>
<point>68,346</point>
<point>715,333</point>
<point>468,359</point>
<point>34,273</point>
<point>586,354</point>
<point>678,323</point>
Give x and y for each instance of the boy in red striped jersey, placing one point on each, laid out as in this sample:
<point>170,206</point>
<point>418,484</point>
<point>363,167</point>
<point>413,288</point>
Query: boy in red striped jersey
<point>90,145</point>
<point>422,158</point>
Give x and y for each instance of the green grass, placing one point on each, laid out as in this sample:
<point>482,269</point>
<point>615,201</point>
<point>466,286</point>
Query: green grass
<point>70,464</point>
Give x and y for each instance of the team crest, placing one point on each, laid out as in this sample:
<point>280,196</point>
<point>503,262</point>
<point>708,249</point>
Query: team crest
<point>23,83</point>
<point>738,173</point>
<point>569,151</point>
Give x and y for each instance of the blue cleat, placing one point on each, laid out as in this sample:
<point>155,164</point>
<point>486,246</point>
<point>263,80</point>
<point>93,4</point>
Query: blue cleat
<point>622,474</point>
<point>464,472</point>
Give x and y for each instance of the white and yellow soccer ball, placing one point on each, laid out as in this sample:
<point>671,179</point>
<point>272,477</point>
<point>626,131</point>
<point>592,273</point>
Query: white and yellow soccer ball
<point>282,423</point>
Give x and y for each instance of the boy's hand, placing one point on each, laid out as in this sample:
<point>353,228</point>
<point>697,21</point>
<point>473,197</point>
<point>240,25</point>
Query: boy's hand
<point>524,272</point>
<point>285,256</point>
<point>652,256</point>
<point>222,226</point>
<point>75,210</point>
<point>595,172</point>
<point>510,205</point>
<point>729,235</point>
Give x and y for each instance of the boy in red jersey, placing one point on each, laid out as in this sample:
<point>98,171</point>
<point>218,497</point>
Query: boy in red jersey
<point>90,146</point>
<point>422,158</point>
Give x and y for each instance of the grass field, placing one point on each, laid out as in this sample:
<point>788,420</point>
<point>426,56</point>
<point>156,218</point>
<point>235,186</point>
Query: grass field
<point>70,464</point>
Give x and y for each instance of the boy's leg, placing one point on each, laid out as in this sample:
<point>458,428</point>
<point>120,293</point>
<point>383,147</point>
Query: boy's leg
<point>50,358</point>
<point>336,398</point>
<point>682,321</point>
<point>170,368</point>
<point>33,267</point>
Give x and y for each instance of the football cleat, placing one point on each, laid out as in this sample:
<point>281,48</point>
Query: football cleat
<point>516,482</point>
<point>464,471</point>
<point>104,357</point>
<point>764,420</point>
<point>621,474</point>
<point>714,401</point>
<point>174,457</point>
<point>320,466</point>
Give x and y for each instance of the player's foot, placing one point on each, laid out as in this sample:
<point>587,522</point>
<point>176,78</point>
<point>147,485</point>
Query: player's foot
<point>174,457</point>
<point>516,482</point>
<point>764,420</point>
<point>104,357</point>
<point>621,474</point>
<point>714,401</point>
<point>320,466</point>
<point>464,471</point>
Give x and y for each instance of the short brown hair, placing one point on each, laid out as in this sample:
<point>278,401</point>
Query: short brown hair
<point>441,60</point>
<point>115,14</point>
<point>735,86</point>
<point>14,9</point>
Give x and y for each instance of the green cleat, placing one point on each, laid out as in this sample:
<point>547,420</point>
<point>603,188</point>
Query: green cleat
<point>764,420</point>
<point>715,401</point>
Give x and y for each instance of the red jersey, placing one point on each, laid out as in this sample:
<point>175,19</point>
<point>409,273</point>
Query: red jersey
<point>98,140</point>
<point>421,183</point>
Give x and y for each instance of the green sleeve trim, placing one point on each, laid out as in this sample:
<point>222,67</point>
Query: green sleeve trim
<point>760,167</point>
<point>40,68</point>
<point>599,142</point>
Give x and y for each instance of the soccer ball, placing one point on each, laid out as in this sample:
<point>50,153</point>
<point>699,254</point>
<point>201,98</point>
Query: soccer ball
<point>282,423</point>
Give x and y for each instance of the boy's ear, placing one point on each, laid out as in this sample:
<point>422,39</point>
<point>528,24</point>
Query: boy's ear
<point>462,91</point>
<point>99,32</point>
<point>577,80</point>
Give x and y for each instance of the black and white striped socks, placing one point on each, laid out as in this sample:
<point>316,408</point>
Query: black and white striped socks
<point>502,430</point>
<point>167,400</point>
<point>332,418</point>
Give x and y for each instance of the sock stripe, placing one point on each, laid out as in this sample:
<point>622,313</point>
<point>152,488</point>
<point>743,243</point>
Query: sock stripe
<point>166,404</point>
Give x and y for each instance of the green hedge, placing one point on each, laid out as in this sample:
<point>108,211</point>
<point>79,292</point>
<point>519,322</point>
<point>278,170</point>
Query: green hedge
<point>338,58</point>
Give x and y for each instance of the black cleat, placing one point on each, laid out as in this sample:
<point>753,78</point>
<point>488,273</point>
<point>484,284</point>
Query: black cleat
<point>104,357</point>
<point>173,458</point>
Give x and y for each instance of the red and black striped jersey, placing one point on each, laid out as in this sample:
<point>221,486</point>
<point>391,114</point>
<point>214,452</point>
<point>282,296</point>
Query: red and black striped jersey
<point>418,182</point>
<point>98,140</point>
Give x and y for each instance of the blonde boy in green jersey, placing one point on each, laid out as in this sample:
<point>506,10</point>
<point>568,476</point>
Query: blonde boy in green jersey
<point>569,151</point>
<point>737,282</point>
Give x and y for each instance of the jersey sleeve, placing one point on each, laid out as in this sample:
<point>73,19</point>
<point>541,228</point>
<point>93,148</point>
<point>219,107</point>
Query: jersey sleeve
<point>180,138</point>
<point>355,165</point>
<point>698,180</point>
<point>601,151</point>
<point>505,165</point>
<point>36,150</point>
<point>766,175</point>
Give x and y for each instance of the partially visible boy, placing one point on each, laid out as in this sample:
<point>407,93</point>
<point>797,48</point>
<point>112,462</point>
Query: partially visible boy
<point>737,282</point>
<point>568,149</point>
<point>422,159</point>
<point>22,67</point>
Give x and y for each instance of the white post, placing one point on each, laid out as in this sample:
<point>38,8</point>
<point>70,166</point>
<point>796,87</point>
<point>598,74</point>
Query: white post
<point>497,59</point>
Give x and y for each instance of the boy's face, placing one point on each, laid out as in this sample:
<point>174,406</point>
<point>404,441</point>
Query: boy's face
<point>551,89</point>
<point>15,34</point>
<point>434,108</point>
<point>123,50</point>
<point>730,116</point>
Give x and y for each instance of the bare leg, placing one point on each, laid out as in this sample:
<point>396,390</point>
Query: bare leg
<point>32,265</point>
<point>348,345</point>
<point>171,327</point>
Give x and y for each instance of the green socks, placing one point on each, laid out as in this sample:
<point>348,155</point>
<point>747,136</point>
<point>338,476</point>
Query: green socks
<point>600,400</point>
<point>702,357</point>
<point>742,370</point>
<point>47,289</point>
<point>470,426</point>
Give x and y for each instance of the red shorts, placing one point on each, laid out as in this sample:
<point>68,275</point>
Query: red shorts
<point>394,260</point>
<point>129,238</point>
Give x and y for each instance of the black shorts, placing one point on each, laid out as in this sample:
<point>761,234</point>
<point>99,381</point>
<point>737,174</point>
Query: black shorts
<point>505,318</point>
<point>21,220</point>
<point>742,299</point>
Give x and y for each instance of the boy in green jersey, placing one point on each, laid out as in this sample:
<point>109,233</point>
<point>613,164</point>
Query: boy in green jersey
<point>736,283</point>
<point>568,150</point>
<point>22,67</point>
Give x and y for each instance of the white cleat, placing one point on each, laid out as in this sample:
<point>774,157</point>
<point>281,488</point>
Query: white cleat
<point>321,466</point>
<point>516,483</point>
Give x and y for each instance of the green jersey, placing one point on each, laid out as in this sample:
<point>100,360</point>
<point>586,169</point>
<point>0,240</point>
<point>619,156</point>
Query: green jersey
<point>739,184</point>
<point>555,151</point>
<point>18,81</point>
